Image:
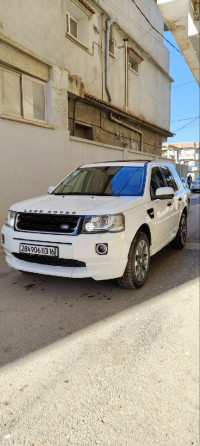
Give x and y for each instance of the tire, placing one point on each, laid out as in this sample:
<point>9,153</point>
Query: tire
<point>137,267</point>
<point>181,236</point>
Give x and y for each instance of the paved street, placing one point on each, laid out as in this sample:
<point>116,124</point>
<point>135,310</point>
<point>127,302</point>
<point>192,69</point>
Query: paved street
<point>87,363</point>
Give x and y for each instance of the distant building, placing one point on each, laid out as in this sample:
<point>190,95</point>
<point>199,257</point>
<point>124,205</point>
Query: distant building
<point>185,153</point>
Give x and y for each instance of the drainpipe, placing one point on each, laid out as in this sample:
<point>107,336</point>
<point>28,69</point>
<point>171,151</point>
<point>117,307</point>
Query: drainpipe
<point>109,23</point>
<point>126,73</point>
<point>130,128</point>
<point>74,126</point>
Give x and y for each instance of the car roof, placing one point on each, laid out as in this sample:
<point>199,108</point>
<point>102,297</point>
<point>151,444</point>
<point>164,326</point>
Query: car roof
<point>127,163</point>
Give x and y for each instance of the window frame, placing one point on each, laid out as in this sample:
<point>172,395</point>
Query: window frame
<point>68,25</point>
<point>22,76</point>
<point>130,56</point>
<point>170,181</point>
<point>87,127</point>
<point>159,177</point>
<point>136,58</point>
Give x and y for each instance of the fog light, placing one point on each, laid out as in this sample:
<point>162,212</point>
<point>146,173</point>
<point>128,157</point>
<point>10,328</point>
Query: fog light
<point>3,239</point>
<point>102,249</point>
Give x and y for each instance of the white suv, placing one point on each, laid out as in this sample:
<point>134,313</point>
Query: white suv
<point>103,221</point>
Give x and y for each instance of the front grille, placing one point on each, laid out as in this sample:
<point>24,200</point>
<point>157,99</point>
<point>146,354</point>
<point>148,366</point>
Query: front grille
<point>46,223</point>
<point>45,260</point>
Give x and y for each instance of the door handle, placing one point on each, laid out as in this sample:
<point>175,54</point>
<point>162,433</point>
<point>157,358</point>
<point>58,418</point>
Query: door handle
<point>169,203</point>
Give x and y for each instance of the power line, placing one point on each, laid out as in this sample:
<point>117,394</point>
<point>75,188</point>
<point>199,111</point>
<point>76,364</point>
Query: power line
<point>184,119</point>
<point>181,85</point>
<point>145,32</point>
<point>153,27</point>
<point>175,131</point>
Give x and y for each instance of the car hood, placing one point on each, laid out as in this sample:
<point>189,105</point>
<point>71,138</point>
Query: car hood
<point>77,205</point>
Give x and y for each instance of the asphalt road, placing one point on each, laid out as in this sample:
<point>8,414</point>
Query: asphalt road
<point>87,363</point>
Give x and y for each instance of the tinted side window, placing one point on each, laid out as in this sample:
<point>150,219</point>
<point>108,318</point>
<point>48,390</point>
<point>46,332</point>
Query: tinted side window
<point>169,178</point>
<point>157,180</point>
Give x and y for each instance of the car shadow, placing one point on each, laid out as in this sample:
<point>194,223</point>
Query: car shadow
<point>38,310</point>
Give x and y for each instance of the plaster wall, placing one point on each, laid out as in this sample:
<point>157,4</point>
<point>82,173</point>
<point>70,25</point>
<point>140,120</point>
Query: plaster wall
<point>33,157</point>
<point>37,158</point>
<point>135,25</point>
<point>150,99</point>
<point>44,33</point>
<point>36,25</point>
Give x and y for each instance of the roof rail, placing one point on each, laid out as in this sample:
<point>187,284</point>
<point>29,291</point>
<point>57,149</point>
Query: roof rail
<point>121,161</point>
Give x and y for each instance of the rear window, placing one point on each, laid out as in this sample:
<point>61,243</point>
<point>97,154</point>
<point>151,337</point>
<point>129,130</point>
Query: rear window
<point>104,180</point>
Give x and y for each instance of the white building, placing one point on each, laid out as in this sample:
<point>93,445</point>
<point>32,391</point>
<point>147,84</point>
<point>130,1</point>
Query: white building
<point>186,154</point>
<point>80,81</point>
<point>182,19</point>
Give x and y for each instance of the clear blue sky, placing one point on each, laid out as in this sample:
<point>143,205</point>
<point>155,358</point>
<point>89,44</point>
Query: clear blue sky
<point>185,98</point>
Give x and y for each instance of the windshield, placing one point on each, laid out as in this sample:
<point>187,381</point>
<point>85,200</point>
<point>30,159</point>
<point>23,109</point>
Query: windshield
<point>105,180</point>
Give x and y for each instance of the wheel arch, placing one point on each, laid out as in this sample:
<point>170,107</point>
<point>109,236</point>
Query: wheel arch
<point>185,211</point>
<point>145,228</point>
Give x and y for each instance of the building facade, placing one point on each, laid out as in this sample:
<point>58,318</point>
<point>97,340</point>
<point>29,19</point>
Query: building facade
<point>80,81</point>
<point>185,154</point>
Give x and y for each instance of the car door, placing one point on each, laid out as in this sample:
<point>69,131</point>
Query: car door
<point>176,202</point>
<point>160,211</point>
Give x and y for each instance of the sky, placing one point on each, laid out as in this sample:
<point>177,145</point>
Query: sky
<point>185,98</point>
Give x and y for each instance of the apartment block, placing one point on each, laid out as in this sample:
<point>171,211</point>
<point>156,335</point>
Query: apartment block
<point>185,154</point>
<point>80,81</point>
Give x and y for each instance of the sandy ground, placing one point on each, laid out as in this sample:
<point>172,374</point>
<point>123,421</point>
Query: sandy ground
<point>86,363</point>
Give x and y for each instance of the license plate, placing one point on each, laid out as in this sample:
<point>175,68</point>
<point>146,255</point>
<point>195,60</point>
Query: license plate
<point>40,250</point>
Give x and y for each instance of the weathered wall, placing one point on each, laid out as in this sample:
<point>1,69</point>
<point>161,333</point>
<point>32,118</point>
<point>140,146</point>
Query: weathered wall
<point>38,166</point>
<point>39,26</point>
<point>149,90</point>
<point>28,166</point>
<point>106,131</point>
<point>33,156</point>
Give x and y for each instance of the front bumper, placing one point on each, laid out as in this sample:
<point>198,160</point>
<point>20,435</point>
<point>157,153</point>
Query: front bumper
<point>81,248</point>
<point>195,187</point>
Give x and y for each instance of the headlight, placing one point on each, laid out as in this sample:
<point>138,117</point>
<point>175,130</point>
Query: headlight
<point>10,220</point>
<point>103,223</point>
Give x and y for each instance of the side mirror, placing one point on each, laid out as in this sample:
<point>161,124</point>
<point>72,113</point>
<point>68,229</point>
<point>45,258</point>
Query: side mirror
<point>164,193</point>
<point>183,182</point>
<point>50,189</point>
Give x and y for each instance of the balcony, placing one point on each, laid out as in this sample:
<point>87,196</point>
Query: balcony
<point>182,19</point>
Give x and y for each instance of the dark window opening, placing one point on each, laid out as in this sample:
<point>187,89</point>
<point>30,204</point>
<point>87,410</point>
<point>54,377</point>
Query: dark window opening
<point>84,131</point>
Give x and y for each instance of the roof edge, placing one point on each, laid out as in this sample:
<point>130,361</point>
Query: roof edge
<point>127,114</point>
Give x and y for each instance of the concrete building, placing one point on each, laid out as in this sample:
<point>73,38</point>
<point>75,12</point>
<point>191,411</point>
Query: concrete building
<point>186,154</point>
<point>182,19</point>
<point>80,81</point>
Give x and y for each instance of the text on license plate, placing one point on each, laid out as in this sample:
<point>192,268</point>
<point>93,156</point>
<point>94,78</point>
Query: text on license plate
<point>39,250</point>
